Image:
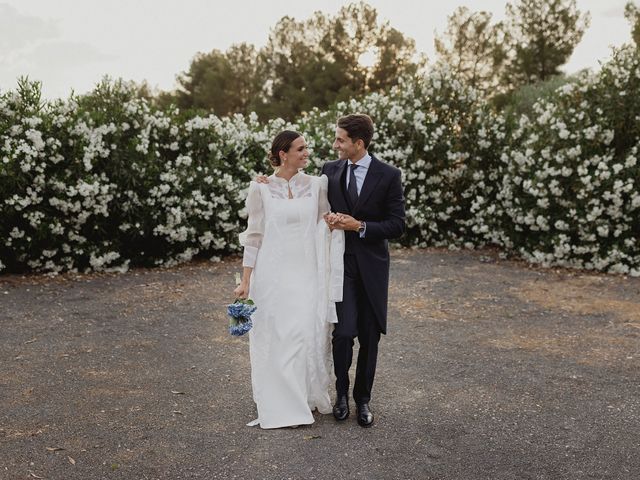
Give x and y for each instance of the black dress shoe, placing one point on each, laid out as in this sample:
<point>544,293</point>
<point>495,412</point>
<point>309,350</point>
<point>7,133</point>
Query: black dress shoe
<point>365,417</point>
<point>341,408</point>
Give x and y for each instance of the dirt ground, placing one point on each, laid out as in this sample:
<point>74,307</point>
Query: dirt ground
<point>491,370</point>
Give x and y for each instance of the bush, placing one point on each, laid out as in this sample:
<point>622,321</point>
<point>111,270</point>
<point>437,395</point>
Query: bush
<point>447,142</point>
<point>108,180</point>
<point>570,188</point>
<point>522,100</point>
<point>105,180</point>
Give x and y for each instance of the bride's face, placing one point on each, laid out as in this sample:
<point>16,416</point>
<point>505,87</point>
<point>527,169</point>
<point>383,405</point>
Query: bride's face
<point>298,155</point>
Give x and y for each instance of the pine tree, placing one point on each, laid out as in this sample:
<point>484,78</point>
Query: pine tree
<point>473,49</point>
<point>542,35</point>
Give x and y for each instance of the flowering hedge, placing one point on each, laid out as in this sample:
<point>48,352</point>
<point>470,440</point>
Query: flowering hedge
<point>570,178</point>
<point>103,181</point>
<point>106,181</point>
<point>447,143</point>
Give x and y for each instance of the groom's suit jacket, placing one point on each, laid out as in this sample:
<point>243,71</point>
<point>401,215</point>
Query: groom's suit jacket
<point>381,205</point>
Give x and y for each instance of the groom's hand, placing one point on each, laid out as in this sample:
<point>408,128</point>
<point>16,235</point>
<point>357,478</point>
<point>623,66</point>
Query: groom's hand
<point>346,222</point>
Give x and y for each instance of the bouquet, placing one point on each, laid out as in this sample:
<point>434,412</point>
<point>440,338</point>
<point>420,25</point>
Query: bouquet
<point>240,313</point>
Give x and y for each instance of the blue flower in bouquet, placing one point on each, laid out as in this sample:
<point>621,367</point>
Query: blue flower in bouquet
<point>240,313</point>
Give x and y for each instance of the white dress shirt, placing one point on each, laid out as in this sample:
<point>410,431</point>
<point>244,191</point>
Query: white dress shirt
<point>360,173</point>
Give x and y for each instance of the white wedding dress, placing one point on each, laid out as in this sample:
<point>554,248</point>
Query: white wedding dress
<point>290,340</point>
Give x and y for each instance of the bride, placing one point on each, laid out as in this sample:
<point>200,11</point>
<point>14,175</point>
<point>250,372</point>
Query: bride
<point>285,258</point>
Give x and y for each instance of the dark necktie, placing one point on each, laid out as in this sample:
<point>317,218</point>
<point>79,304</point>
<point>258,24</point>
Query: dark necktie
<point>352,189</point>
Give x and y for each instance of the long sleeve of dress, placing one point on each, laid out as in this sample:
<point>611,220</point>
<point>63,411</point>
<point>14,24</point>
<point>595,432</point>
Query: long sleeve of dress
<point>251,238</point>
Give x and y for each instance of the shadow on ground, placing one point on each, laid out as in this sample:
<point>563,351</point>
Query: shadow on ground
<point>491,370</point>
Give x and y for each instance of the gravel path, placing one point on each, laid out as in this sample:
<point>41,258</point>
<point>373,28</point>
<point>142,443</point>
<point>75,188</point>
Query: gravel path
<point>491,370</point>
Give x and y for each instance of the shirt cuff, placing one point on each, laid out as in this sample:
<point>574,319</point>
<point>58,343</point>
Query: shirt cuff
<point>364,230</point>
<point>249,257</point>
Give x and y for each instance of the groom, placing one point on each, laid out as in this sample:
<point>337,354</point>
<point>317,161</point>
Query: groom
<point>367,198</point>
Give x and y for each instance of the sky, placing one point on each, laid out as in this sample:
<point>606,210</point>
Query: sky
<point>71,44</point>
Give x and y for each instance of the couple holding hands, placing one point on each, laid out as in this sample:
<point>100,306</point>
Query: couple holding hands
<point>316,264</point>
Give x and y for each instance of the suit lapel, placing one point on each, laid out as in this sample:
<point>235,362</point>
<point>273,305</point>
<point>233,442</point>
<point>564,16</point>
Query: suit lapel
<point>370,182</point>
<point>336,183</point>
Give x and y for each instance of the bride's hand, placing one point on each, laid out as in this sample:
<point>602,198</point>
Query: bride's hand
<point>242,290</point>
<point>330,219</point>
<point>262,179</point>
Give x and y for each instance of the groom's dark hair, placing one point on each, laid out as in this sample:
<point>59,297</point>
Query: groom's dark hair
<point>357,126</point>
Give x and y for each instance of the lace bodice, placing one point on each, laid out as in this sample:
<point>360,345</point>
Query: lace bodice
<point>299,184</point>
<point>302,186</point>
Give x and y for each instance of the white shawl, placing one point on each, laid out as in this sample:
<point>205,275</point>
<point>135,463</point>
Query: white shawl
<point>330,255</point>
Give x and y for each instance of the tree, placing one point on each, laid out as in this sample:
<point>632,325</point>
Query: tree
<point>473,49</point>
<point>394,59</point>
<point>542,35</point>
<point>356,33</point>
<point>305,64</point>
<point>298,74</point>
<point>316,62</point>
<point>632,14</point>
<point>225,82</point>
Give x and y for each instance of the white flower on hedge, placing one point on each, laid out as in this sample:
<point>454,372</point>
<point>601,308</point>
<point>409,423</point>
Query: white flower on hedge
<point>34,218</point>
<point>630,161</point>
<point>36,139</point>
<point>49,253</point>
<point>567,88</point>
<point>603,230</point>
<point>574,152</point>
<point>169,177</point>
<point>131,108</point>
<point>123,268</point>
<point>566,171</point>
<point>98,262</point>
<point>206,239</point>
<point>16,233</point>
<point>590,132</point>
<point>542,222</point>
<point>56,228</point>
<point>543,202</point>
<point>88,189</point>
<point>187,255</point>
<point>219,243</point>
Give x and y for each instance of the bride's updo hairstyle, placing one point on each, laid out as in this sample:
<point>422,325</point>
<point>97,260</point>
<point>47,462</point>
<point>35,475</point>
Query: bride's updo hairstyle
<point>282,142</point>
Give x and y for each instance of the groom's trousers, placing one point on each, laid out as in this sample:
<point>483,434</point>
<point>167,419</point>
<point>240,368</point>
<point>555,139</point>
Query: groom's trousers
<point>355,319</point>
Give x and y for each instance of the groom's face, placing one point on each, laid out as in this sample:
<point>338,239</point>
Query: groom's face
<point>345,147</point>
